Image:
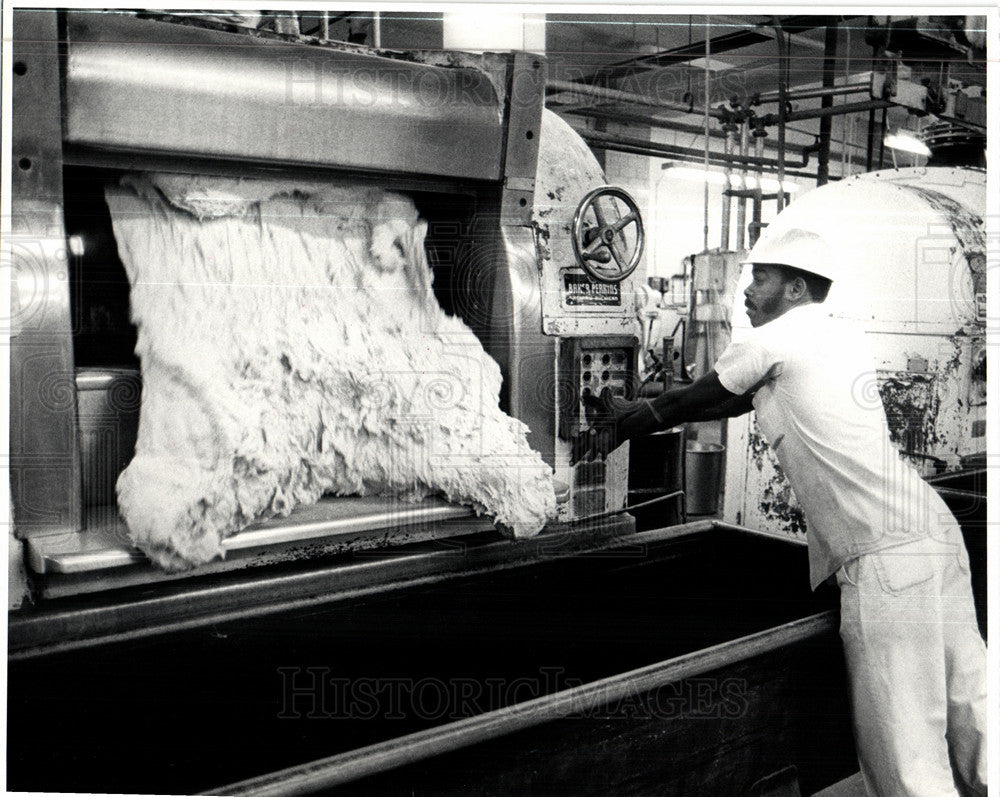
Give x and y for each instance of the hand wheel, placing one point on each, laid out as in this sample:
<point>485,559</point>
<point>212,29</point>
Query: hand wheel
<point>603,249</point>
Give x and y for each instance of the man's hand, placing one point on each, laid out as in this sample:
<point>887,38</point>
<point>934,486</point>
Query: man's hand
<point>613,420</point>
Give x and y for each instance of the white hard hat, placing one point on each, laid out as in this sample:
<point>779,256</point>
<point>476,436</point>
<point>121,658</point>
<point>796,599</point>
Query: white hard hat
<point>801,249</point>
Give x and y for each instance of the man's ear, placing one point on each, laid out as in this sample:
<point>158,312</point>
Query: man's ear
<point>796,289</point>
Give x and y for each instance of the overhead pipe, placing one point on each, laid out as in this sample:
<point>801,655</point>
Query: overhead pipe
<point>812,94</point>
<point>614,95</point>
<point>837,110</point>
<point>664,124</point>
<point>826,122</point>
<point>818,113</point>
<point>647,151</point>
<point>669,150</point>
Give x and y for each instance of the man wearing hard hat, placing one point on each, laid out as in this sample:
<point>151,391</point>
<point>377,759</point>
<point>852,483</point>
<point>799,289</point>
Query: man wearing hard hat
<point>916,661</point>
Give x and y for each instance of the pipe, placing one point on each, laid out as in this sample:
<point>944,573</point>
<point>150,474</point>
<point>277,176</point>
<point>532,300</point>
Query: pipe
<point>871,121</point>
<point>826,122</point>
<point>782,106</point>
<point>727,200</point>
<point>847,124</point>
<point>614,95</point>
<point>758,198</point>
<point>881,137</point>
<point>667,150</point>
<point>326,773</point>
<point>741,202</point>
<point>661,124</point>
<point>837,110</point>
<point>716,160</point>
<point>651,150</point>
<point>708,141</point>
<point>828,90</point>
<point>870,150</point>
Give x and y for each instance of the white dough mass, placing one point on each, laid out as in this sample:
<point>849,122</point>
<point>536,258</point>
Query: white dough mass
<point>291,346</point>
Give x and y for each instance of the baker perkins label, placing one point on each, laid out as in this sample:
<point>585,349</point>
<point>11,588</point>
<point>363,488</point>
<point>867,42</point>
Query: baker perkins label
<point>580,290</point>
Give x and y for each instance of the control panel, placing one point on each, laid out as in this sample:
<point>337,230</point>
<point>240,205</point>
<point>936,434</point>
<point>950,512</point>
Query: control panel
<point>589,366</point>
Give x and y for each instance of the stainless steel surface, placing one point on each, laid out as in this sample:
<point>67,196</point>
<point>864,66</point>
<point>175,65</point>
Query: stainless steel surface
<point>145,86</point>
<point>257,593</point>
<point>44,457</point>
<point>525,101</point>
<point>104,544</point>
<point>526,356</point>
<point>108,412</point>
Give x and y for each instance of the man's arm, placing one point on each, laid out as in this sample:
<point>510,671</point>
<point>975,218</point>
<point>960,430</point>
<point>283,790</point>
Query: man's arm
<point>703,400</point>
<point>617,420</point>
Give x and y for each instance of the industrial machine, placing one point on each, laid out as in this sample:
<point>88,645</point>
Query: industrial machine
<point>912,244</point>
<point>371,646</point>
<point>532,251</point>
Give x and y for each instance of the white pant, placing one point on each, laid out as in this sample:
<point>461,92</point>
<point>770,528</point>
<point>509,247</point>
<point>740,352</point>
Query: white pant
<point>917,669</point>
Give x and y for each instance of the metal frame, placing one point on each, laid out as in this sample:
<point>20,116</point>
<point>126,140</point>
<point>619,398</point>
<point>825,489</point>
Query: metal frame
<point>147,87</point>
<point>44,443</point>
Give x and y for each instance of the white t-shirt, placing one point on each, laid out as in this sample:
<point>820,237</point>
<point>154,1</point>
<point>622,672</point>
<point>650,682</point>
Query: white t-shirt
<point>818,405</point>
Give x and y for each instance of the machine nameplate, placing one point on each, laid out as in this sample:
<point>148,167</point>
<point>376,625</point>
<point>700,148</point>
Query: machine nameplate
<point>580,290</point>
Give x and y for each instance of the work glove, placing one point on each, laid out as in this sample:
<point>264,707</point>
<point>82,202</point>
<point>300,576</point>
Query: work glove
<point>612,420</point>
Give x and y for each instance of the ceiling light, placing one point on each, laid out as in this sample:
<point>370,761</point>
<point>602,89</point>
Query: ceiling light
<point>906,142</point>
<point>713,65</point>
<point>697,175</point>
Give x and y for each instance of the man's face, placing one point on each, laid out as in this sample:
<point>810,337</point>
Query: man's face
<point>765,296</point>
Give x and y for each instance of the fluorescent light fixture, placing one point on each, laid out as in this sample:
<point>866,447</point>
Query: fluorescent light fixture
<point>713,65</point>
<point>734,180</point>
<point>697,175</point>
<point>766,184</point>
<point>905,142</point>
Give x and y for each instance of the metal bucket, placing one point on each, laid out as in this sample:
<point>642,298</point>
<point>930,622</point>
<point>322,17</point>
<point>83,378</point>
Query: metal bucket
<point>704,464</point>
<point>656,467</point>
